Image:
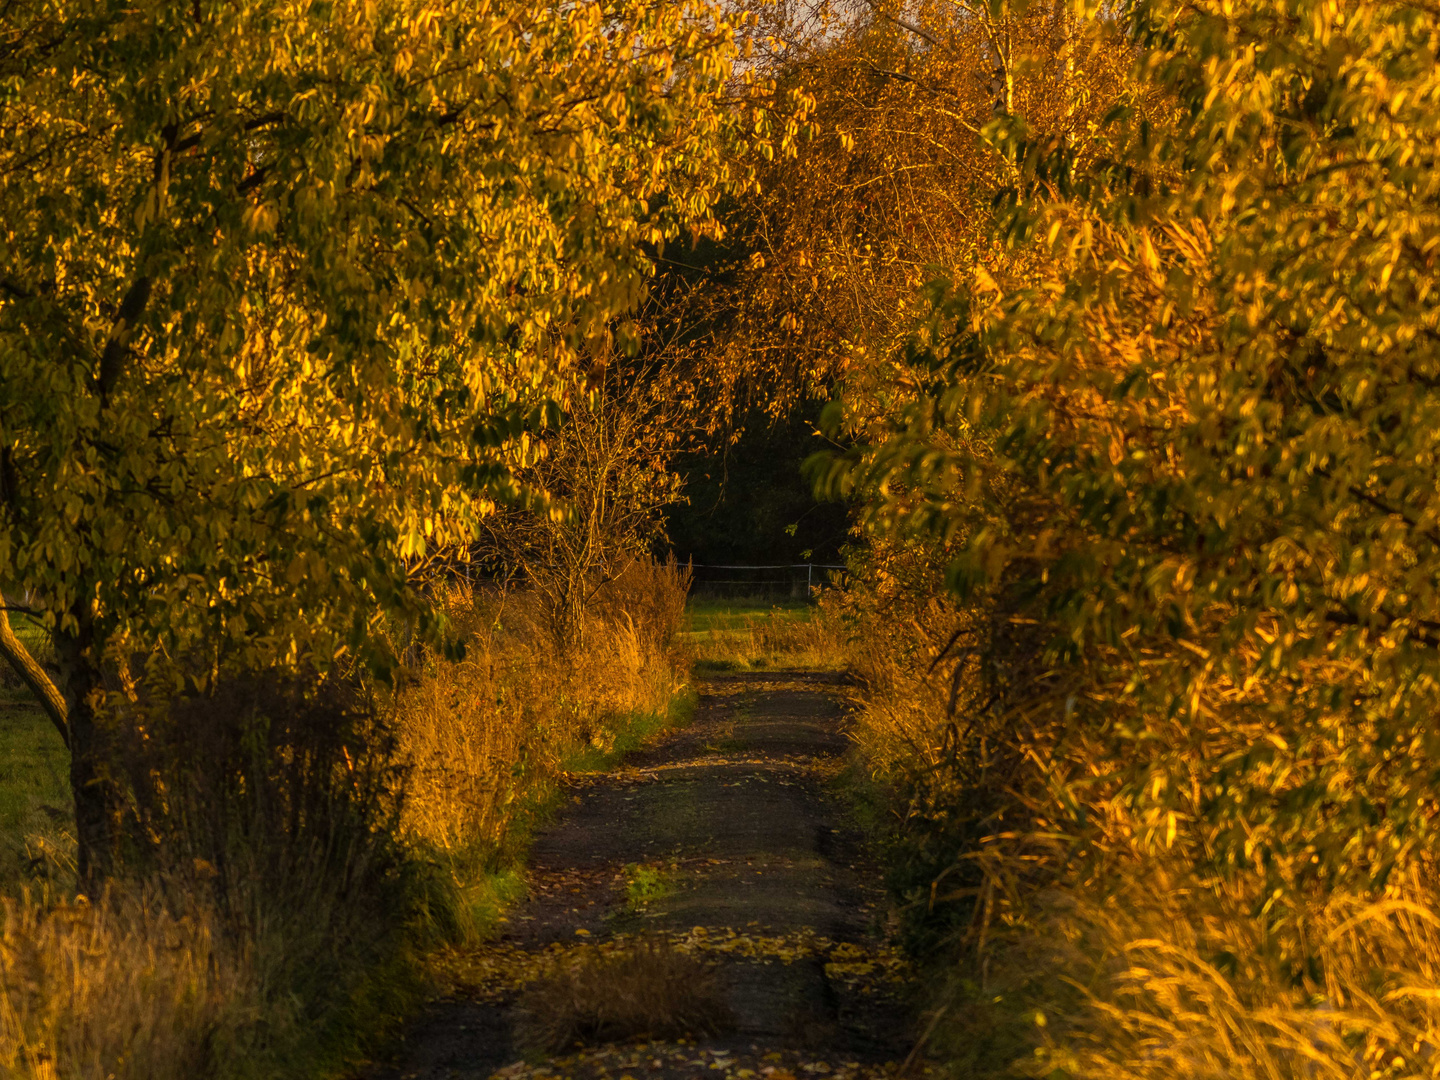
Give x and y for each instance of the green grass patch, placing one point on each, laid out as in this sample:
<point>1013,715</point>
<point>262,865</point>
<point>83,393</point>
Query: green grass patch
<point>37,841</point>
<point>479,903</point>
<point>648,882</point>
<point>704,614</point>
<point>755,635</point>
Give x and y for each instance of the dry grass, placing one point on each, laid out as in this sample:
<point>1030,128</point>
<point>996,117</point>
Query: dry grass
<point>739,636</point>
<point>263,896</point>
<point>119,990</point>
<point>1175,982</point>
<point>1132,955</point>
<point>489,735</point>
<point>649,992</point>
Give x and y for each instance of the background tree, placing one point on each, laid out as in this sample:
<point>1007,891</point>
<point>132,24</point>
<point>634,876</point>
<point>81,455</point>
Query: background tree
<point>600,485</point>
<point>819,279</point>
<point>749,502</point>
<point>820,276</point>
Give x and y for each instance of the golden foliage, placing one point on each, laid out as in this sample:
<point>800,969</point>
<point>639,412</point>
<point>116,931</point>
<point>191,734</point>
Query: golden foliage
<point>821,276</point>
<point>1176,446</point>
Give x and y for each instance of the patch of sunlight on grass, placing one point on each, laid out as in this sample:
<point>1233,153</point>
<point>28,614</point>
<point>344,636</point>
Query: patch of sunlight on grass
<point>627,733</point>
<point>704,614</point>
<point>757,635</point>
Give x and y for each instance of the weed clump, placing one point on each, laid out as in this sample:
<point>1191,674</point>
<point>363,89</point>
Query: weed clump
<point>649,992</point>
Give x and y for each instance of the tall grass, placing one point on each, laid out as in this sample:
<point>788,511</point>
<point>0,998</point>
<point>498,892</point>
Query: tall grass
<point>262,900</point>
<point>117,989</point>
<point>1175,981</point>
<point>487,738</point>
<point>293,848</point>
<point>1070,934</point>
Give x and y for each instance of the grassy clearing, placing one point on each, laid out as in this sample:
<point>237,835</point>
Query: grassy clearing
<point>755,634</point>
<point>706,613</point>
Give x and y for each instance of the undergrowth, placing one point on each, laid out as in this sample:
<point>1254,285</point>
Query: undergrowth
<point>1063,935</point>
<point>308,847</point>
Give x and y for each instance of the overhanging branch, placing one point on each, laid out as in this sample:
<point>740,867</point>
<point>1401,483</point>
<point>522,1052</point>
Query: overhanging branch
<point>33,675</point>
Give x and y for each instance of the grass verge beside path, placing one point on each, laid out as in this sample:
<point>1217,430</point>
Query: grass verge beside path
<point>241,945</point>
<point>490,881</point>
<point>630,733</point>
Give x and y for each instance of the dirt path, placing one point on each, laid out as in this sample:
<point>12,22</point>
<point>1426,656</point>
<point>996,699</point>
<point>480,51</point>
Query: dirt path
<point>725,841</point>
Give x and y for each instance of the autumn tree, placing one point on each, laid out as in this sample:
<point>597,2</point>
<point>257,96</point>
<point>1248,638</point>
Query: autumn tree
<point>1190,439</point>
<point>820,278</point>
<point>282,287</point>
<point>596,494</point>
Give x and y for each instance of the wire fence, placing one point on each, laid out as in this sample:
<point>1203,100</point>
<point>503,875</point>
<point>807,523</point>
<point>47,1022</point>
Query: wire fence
<point>797,581</point>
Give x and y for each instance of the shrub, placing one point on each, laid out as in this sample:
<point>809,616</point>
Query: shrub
<point>265,810</point>
<point>283,835</point>
<point>1179,454</point>
<point>487,736</point>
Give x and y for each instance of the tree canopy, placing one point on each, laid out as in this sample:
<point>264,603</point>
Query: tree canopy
<point>283,284</point>
<point>1184,424</point>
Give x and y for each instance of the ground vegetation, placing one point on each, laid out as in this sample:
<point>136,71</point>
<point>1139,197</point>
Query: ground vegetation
<point>290,928</point>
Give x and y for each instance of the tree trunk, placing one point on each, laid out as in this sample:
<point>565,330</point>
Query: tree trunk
<point>97,803</point>
<point>568,618</point>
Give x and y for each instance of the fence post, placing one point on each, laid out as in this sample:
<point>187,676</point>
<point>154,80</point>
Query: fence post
<point>809,581</point>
